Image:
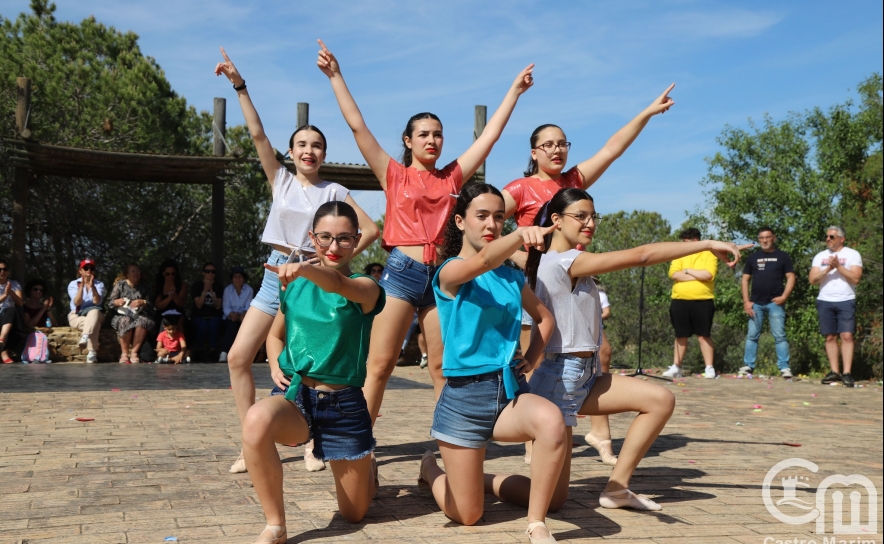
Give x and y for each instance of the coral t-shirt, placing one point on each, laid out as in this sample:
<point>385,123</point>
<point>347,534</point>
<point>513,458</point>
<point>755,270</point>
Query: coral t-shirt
<point>531,194</point>
<point>170,342</point>
<point>418,206</point>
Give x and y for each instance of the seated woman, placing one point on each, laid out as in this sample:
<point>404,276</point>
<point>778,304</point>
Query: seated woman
<point>10,298</point>
<point>37,310</point>
<point>133,313</point>
<point>317,349</point>
<point>87,309</point>
<point>237,299</point>
<point>206,314</point>
<point>170,291</point>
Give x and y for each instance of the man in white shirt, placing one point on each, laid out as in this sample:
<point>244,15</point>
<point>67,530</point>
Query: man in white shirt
<point>837,270</point>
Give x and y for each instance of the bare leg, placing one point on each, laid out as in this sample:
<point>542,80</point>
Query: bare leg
<point>272,420</point>
<point>432,331</point>
<point>847,345</point>
<point>601,428</point>
<point>707,350</point>
<point>140,334</point>
<point>124,343</point>
<point>524,341</point>
<point>354,482</point>
<point>422,342</point>
<point>460,493</point>
<point>832,352</point>
<point>681,345</point>
<point>252,333</point>
<point>387,335</point>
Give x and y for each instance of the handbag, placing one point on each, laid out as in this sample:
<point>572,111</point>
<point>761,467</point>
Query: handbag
<point>128,310</point>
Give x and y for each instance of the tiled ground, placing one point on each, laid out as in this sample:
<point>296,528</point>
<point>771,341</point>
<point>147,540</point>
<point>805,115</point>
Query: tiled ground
<point>153,463</point>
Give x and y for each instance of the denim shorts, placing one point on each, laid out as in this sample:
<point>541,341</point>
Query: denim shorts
<point>409,280</point>
<point>565,380</point>
<point>267,299</point>
<point>339,422</point>
<point>836,317</point>
<point>469,407</point>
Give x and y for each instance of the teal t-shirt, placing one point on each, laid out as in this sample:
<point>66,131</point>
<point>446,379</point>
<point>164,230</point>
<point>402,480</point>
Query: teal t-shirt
<point>481,325</point>
<point>326,335</point>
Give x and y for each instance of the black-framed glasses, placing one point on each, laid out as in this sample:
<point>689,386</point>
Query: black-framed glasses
<point>325,239</point>
<point>549,147</point>
<point>583,218</point>
<point>208,270</point>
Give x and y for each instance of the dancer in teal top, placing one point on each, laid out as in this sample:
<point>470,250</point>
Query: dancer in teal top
<point>485,395</point>
<point>317,348</point>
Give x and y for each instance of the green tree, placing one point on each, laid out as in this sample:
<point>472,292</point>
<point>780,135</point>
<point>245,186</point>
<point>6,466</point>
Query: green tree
<point>798,176</point>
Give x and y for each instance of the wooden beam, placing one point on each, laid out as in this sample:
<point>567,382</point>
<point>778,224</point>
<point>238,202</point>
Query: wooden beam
<point>20,184</point>
<point>219,120</point>
<point>303,114</point>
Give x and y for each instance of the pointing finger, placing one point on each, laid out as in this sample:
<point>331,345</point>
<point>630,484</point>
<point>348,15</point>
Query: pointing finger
<point>272,268</point>
<point>225,55</point>
<point>322,45</point>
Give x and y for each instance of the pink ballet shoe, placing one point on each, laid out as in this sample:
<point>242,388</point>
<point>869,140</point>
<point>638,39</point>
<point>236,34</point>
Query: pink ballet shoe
<point>627,499</point>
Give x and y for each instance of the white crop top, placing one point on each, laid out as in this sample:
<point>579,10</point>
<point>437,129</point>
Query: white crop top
<point>293,208</point>
<point>578,312</point>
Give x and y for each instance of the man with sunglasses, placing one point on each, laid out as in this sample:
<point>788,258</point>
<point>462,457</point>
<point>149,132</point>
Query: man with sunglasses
<point>87,314</point>
<point>837,271</point>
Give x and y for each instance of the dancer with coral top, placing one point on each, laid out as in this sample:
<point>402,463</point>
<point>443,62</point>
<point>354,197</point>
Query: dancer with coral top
<point>420,198</point>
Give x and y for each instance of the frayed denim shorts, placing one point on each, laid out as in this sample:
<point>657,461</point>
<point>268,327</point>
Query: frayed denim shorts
<point>339,422</point>
<point>409,280</point>
<point>566,380</point>
<point>267,299</point>
<point>469,407</point>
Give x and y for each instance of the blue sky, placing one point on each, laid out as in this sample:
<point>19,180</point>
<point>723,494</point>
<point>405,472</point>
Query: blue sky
<point>598,65</point>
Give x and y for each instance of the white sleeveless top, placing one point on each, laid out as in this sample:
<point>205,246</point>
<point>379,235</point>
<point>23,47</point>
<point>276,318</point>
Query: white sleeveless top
<point>578,312</point>
<point>293,208</point>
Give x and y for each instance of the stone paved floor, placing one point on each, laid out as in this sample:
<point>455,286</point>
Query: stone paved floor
<point>153,463</point>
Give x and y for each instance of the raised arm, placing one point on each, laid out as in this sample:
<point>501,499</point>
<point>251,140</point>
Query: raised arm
<point>473,157</point>
<point>370,231</point>
<point>592,264</point>
<point>593,168</point>
<point>256,129</point>
<point>374,154</point>
<point>458,272</point>
<point>362,291</point>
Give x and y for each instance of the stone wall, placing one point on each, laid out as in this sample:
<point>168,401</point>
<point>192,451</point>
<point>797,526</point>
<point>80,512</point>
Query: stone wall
<point>63,345</point>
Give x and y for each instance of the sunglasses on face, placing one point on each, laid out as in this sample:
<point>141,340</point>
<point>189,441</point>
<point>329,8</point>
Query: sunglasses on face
<point>89,268</point>
<point>4,270</point>
<point>832,237</point>
<point>208,270</point>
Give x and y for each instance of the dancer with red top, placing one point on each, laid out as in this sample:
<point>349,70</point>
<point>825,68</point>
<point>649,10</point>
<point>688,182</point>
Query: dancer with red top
<point>420,198</point>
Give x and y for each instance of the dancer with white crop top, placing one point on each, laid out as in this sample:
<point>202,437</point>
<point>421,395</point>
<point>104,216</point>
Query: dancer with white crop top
<point>295,200</point>
<point>570,375</point>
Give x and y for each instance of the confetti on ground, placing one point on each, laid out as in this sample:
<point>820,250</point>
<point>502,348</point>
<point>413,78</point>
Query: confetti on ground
<point>687,413</point>
<point>83,419</point>
<point>691,461</point>
<point>171,539</point>
<point>740,424</point>
<point>116,389</point>
<point>757,410</point>
<point>813,394</point>
<point>756,406</point>
<point>793,444</point>
<point>807,404</point>
<point>580,416</point>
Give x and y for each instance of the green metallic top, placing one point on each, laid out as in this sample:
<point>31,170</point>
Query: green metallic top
<point>326,335</point>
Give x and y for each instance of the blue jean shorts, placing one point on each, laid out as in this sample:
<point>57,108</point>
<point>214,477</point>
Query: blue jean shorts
<point>836,317</point>
<point>267,299</point>
<point>565,380</point>
<point>339,422</point>
<point>469,407</point>
<point>409,280</point>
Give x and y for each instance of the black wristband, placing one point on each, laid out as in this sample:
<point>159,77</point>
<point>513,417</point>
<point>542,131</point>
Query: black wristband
<point>240,87</point>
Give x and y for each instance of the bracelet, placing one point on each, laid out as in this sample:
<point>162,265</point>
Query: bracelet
<point>240,87</point>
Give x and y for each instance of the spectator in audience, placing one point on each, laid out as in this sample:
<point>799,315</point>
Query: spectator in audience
<point>837,270</point>
<point>170,291</point>
<point>171,345</point>
<point>37,310</point>
<point>692,307</point>
<point>133,319</point>
<point>87,312</point>
<point>206,314</point>
<point>375,270</point>
<point>772,276</point>
<point>237,298</point>
<point>10,297</point>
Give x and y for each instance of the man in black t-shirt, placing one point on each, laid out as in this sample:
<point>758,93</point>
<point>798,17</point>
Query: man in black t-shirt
<point>770,271</point>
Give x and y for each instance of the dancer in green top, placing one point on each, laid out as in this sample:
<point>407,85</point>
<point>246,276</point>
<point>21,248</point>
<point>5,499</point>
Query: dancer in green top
<point>317,349</point>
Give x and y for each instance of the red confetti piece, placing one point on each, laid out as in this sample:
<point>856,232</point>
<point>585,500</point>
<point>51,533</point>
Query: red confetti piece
<point>84,419</point>
<point>692,462</point>
<point>687,413</point>
<point>579,416</point>
<point>793,444</point>
<point>756,406</point>
<point>116,389</point>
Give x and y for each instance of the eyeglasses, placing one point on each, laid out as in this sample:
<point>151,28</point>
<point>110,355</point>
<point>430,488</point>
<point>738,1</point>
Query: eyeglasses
<point>832,236</point>
<point>345,241</point>
<point>89,267</point>
<point>583,218</point>
<point>168,274</point>
<point>4,269</point>
<point>208,270</point>
<point>549,147</point>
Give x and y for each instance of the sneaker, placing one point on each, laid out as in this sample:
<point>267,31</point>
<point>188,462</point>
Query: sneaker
<point>92,357</point>
<point>673,372</point>
<point>162,360</point>
<point>847,379</point>
<point>709,373</point>
<point>187,360</point>
<point>424,361</point>
<point>786,374</point>
<point>745,369</point>
<point>831,377</point>
<point>84,339</point>
<point>222,357</point>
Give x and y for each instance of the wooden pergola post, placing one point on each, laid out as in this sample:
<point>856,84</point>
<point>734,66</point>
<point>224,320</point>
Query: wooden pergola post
<point>219,132</point>
<point>20,183</point>
<point>303,114</point>
<point>479,126</point>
